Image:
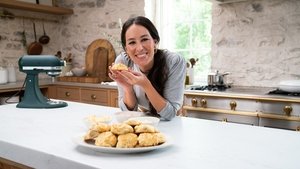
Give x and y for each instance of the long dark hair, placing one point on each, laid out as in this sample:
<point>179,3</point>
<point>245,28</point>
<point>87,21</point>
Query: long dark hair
<point>159,72</point>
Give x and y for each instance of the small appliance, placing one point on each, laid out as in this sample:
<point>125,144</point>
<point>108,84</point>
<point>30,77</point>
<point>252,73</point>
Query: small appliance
<point>32,65</point>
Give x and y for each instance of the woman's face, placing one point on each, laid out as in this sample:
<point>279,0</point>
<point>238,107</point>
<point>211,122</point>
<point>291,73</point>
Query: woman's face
<point>140,46</point>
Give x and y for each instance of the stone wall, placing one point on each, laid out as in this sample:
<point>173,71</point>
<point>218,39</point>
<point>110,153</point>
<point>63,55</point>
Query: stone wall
<point>257,41</point>
<point>92,19</point>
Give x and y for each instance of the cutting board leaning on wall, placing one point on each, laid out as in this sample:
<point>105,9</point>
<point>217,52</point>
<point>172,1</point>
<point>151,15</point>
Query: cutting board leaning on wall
<point>99,56</point>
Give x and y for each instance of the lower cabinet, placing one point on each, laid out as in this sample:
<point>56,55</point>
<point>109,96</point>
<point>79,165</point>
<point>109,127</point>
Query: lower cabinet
<point>99,96</point>
<point>7,164</point>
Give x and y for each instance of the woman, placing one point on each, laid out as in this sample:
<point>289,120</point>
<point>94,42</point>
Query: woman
<point>154,82</point>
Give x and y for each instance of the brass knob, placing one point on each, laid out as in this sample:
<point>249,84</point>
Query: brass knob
<point>67,94</point>
<point>194,102</point>
<point>93,96</point>
<point>298,128</point>
<point>224,119</point>
<point>203,103</point>
<point>287,110</point>
<point>232,105</point>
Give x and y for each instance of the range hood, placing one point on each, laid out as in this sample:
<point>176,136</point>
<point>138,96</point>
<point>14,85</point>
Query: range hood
<point>227,1</point>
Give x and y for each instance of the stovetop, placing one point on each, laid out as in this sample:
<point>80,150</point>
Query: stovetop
<point>284,93</point>
<point>244,90</point>
<point>211,87</point>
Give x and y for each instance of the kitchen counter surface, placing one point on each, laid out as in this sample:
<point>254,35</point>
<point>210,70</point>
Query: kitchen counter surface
<point>43,139</point>
<point>47,82</point>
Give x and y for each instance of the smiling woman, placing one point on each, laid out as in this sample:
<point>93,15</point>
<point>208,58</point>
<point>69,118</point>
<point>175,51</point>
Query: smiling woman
<point>154,82</point>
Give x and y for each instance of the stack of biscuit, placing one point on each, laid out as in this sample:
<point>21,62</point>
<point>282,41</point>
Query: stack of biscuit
<point>129,134</point>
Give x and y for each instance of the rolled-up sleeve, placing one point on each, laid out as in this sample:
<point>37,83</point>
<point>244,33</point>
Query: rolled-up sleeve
<point>174,87</point>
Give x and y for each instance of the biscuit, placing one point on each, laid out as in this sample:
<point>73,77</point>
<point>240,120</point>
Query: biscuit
<point>101,127</point>
<point>106,139</point>
<point>145,128</point>
<point>119,66</point>
<point>128,140</point>
<point>146,140</point>
<point>90,135</point>
<point>121,128</point>
<point>159,138</point>
<point>133,122</point>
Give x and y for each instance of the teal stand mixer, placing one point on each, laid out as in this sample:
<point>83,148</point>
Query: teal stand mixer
<point>32,65</point>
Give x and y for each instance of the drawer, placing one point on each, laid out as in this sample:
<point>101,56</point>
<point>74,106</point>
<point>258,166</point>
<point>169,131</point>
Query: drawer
<point>280,108</point>
<point>280,123</point>
<point>241,119</point>
<point>68,93</point>
<point>222,103</point>
<point>93,96</point>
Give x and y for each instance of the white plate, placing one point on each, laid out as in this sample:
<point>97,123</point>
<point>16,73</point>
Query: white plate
<point>80,142</point>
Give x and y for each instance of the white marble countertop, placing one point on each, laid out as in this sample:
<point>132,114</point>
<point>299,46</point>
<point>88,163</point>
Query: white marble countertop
<point>42,138</point>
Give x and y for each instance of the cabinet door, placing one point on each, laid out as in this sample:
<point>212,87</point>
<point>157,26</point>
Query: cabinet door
<point>95,96</point>
<point>280,108</point>
<point>52,92</point>
<point>114,102</point>
<point>68,93</point>
<point>7,164</point>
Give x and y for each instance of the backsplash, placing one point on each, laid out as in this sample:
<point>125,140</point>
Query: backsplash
<point>257,41</point>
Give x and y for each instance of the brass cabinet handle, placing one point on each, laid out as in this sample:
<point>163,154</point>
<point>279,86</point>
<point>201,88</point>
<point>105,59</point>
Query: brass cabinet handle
<point>224,119</point>
<point>67,94</point>
<point>93,96</point>
<point>194,102</point>
<point>203,103</point>
<point>232,105</point>
<point>287,110</point>
<point>298,128</point>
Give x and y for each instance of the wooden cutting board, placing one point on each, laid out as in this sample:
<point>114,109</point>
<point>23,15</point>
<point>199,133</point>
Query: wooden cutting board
<point>99,56</point>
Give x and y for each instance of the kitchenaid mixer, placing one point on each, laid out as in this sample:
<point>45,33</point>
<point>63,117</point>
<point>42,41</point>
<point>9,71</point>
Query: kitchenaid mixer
<point>32,65</point>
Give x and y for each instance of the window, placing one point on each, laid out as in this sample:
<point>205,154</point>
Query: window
<point>185,28</point>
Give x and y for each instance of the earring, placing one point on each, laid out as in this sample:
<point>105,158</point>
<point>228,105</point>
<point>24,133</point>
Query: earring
<point>155,49</point>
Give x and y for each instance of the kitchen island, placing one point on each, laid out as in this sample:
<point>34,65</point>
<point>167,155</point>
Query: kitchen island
<point>43,138</point>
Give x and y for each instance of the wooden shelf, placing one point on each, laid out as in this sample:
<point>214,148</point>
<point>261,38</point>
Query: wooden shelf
<point>35,7</point>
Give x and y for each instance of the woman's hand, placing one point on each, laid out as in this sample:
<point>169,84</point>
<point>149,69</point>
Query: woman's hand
<point>117,77</point>
<point>134,78</point>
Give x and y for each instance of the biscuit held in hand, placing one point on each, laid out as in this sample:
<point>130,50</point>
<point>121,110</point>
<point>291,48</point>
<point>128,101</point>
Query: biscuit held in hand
<point>119,66</point>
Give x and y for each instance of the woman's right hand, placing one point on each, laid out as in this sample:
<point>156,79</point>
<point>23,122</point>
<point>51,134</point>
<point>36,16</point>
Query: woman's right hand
<point>117,77</point>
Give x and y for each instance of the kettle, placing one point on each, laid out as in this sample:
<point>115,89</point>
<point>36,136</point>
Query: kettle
<point>3,75</point>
